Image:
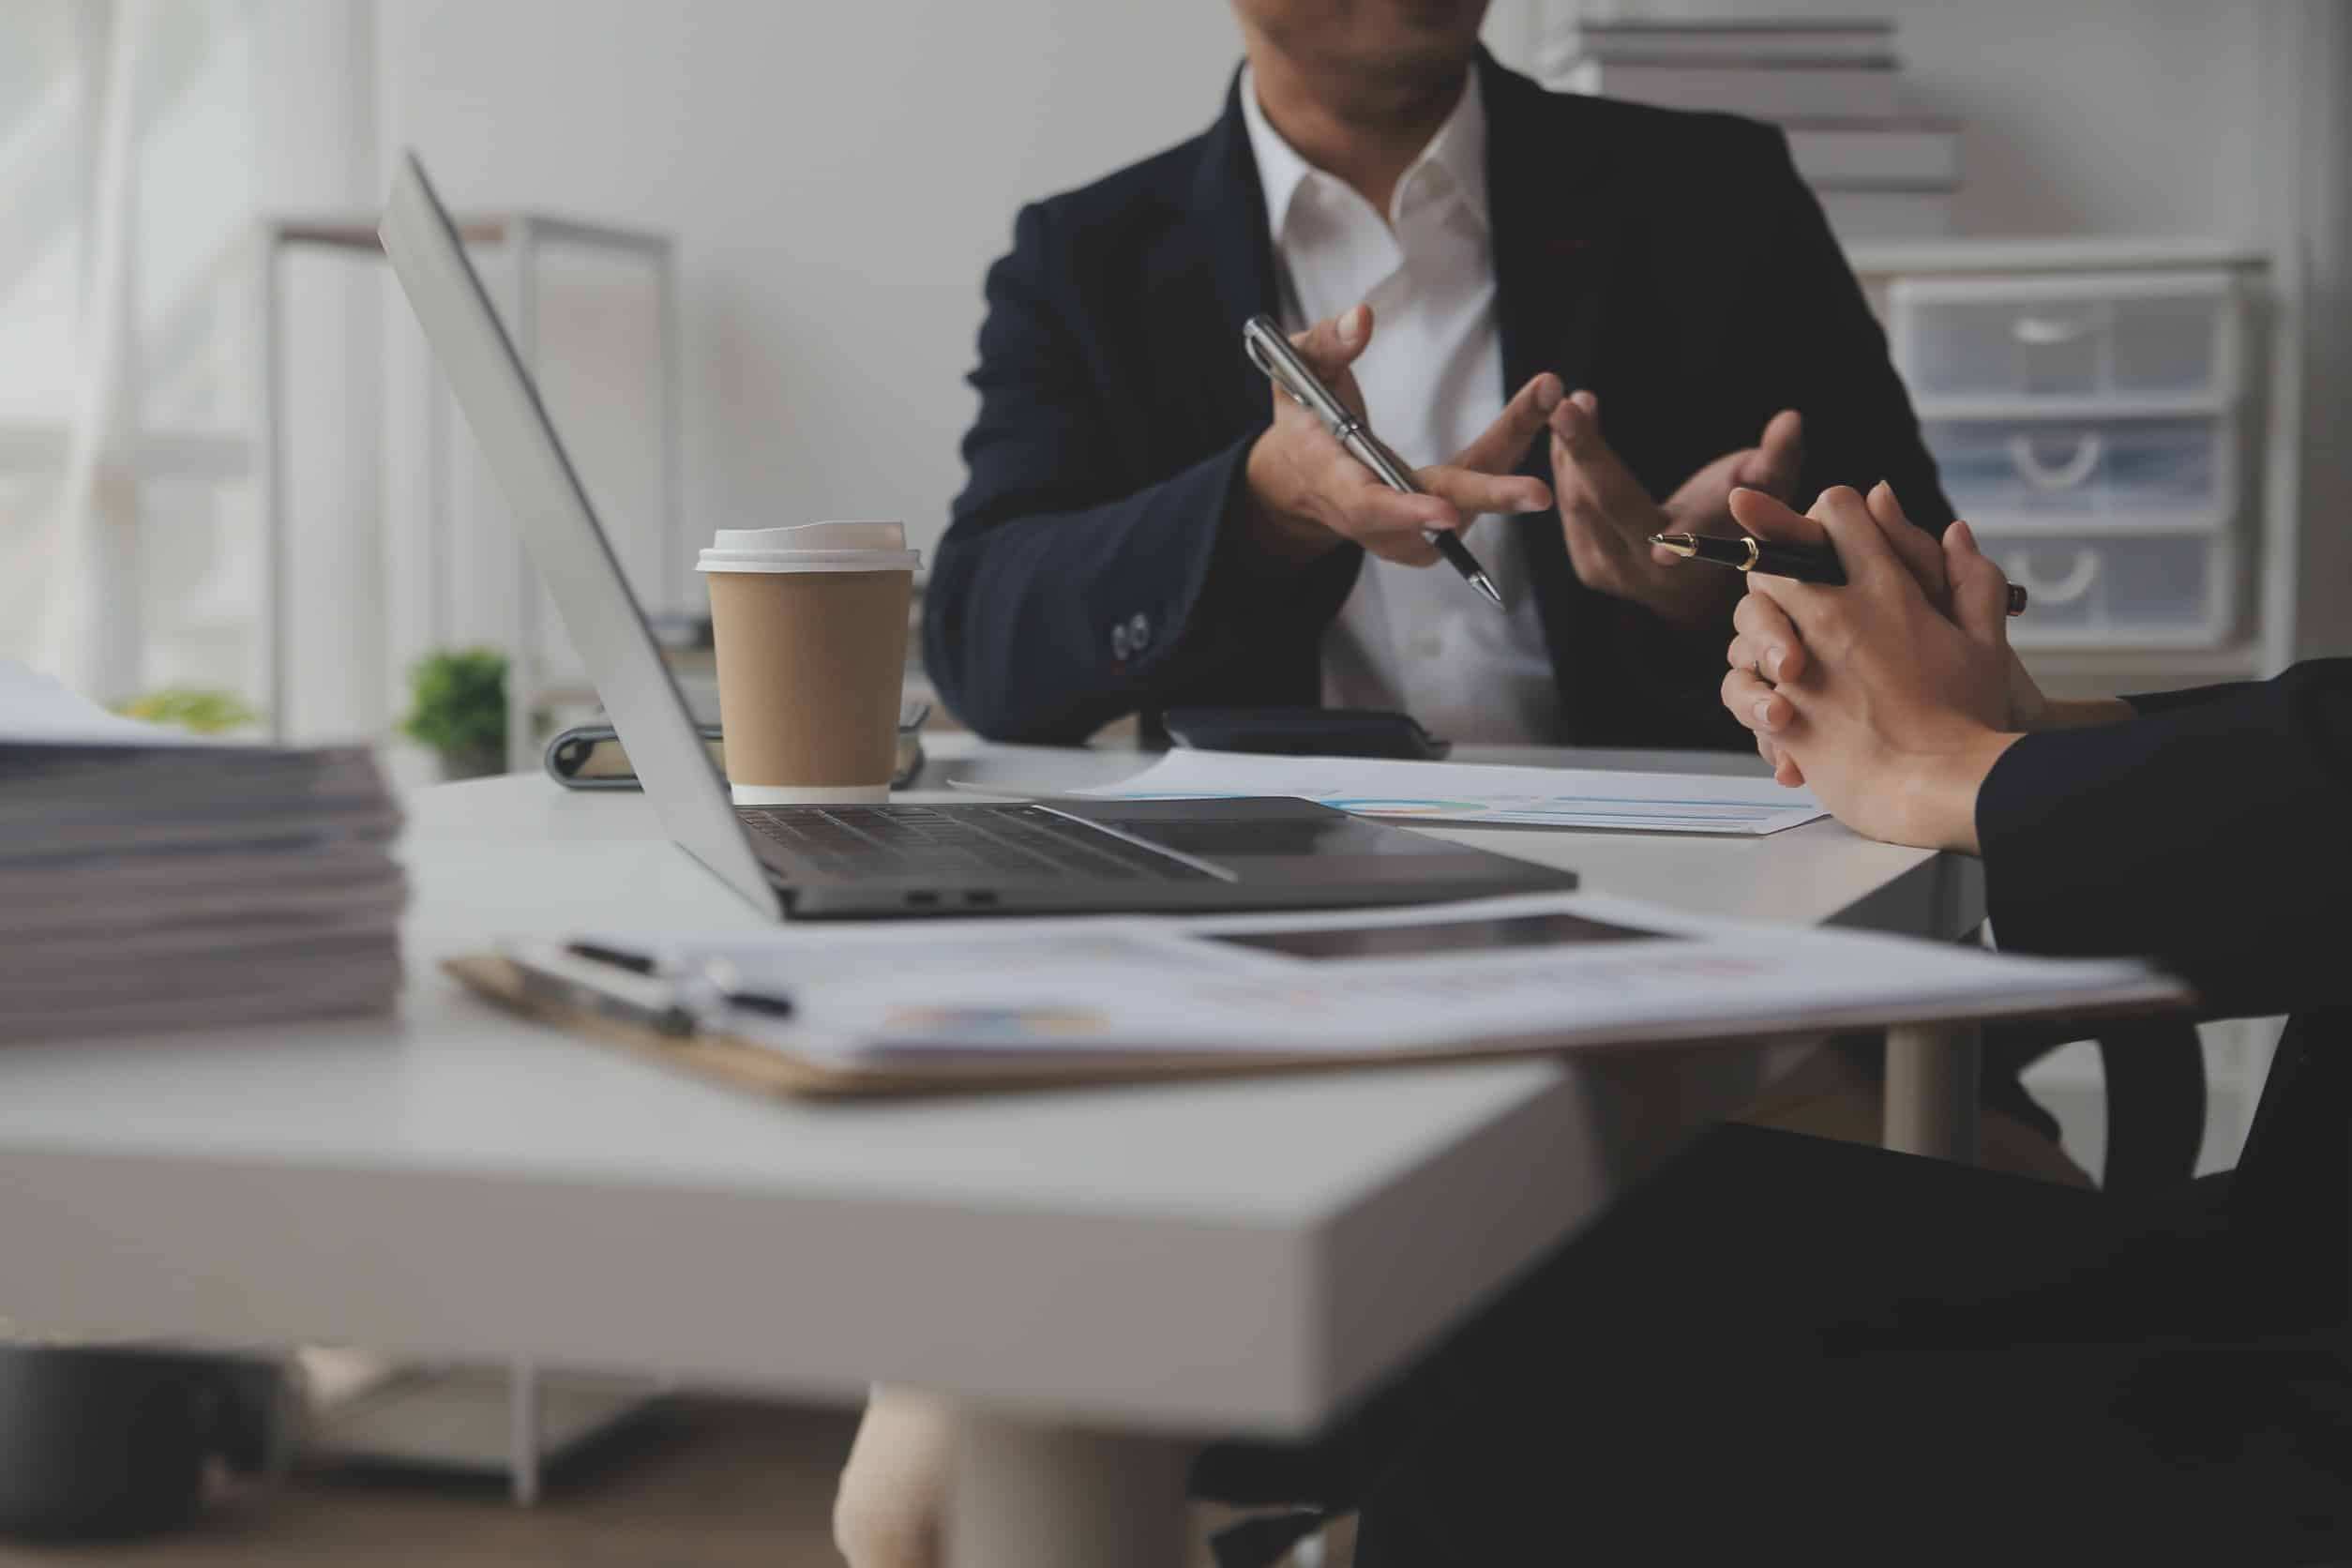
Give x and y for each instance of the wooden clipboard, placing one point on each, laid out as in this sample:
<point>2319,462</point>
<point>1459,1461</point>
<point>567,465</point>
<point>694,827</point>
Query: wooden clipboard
<point>764,1069</point>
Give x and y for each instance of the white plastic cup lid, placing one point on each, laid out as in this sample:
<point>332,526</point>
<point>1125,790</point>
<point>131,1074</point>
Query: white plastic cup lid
<point>811,547</point>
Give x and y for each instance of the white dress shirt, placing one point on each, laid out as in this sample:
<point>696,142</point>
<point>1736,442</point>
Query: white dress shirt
<point>1417,639</point>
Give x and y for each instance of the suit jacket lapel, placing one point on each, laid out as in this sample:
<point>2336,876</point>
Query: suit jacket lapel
<point>1558,220</point>
<point>1228,208</point>
<point>1230,211</point>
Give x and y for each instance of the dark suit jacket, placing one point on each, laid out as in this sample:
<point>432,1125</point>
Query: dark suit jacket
<point>2214,833</point>
<point>1672,263</point>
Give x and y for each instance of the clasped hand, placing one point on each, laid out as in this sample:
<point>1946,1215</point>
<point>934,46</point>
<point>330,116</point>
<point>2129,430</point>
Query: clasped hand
<point>1892,695</point>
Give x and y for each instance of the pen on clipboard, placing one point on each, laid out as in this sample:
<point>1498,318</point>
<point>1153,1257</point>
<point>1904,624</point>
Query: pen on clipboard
<point>1262,339</point>
<point>637,989</point>
<point>1747,553</point>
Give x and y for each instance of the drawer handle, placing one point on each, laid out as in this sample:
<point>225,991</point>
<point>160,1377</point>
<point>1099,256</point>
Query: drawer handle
<point>2063,590</point>
<point>2042,332</point>
<point>2090,447</point>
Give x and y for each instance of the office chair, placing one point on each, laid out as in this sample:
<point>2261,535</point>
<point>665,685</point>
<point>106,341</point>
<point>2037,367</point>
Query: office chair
<point>2155,1082</point>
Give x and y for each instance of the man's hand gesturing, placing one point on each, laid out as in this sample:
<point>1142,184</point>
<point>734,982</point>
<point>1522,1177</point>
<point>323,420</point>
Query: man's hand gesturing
<point>1609,516</point>
<point>1309,494</point>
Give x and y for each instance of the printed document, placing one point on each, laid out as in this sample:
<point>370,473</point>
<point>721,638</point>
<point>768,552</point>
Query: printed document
<point>1471,794</point>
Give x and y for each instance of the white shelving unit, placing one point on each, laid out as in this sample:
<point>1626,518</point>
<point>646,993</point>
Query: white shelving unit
<point>527,235</point>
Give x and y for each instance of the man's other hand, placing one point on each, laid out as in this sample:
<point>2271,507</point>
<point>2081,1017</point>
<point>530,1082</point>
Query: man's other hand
<point>1609,516</point>
<point>1308,493</point>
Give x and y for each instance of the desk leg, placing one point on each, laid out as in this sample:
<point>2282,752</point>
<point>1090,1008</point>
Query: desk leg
<point>1030,1496</point>
<point>522,1433</point>
<point>1932,1089</point>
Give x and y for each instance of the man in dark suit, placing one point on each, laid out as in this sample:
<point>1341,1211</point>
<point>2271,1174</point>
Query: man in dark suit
<point>1861,1357</point>
<point>1146,526</point>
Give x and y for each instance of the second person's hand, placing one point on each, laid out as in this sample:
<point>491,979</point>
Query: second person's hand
<point>1899,704</point>
<point>1309,494</point>
<point>1767,647</point>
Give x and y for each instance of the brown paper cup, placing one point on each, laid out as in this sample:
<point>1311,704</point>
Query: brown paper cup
<point>811,649</point>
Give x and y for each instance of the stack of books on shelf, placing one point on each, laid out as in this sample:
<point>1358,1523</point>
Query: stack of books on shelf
<point>1833,87</point>
<point>155,883</point>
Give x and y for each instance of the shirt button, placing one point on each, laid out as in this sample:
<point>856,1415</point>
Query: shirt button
<point>1138,632</point>
<point>1118,640</point>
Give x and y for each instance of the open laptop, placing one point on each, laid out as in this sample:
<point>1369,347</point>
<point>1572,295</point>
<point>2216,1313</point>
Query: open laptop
<point>803,861</point>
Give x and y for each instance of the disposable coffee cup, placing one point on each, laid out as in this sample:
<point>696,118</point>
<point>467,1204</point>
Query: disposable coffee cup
<point>810,628</point>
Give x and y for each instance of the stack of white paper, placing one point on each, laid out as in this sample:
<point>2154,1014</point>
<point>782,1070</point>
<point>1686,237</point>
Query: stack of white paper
<point>1833,85</point>
<point>153,882</point>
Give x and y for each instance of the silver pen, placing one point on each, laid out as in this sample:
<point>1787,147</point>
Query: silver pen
<point>1270,350</point>
<point>638,988</point>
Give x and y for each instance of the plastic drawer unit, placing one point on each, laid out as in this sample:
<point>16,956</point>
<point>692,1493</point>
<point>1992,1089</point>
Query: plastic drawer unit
<point>2089,428</point>
<point>2115,589</point>
<point>2078,341</point>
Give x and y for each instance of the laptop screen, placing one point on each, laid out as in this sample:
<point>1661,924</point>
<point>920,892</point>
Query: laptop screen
<point>560,530</point>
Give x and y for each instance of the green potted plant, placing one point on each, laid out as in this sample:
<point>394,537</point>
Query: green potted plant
<point>458,709</point>
<point>200,710</point>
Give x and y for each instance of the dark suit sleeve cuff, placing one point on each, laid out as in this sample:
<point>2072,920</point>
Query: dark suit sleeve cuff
<point>2080,830</point>
<point>2045,840</point>
<point>1244,577</point>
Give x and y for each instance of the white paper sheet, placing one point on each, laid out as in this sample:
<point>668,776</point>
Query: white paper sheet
<point>1545,971</point>
<point>36,711</point>
<point>1468,794</point>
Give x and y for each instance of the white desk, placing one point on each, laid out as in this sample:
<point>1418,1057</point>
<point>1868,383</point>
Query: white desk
<point>1105,1274</point>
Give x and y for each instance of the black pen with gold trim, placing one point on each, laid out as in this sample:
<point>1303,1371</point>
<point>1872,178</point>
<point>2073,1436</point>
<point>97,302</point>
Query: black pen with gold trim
<point>1745,552</point>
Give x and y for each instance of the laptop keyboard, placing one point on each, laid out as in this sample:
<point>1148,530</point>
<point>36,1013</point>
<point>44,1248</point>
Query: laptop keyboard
<point>971,844</point>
